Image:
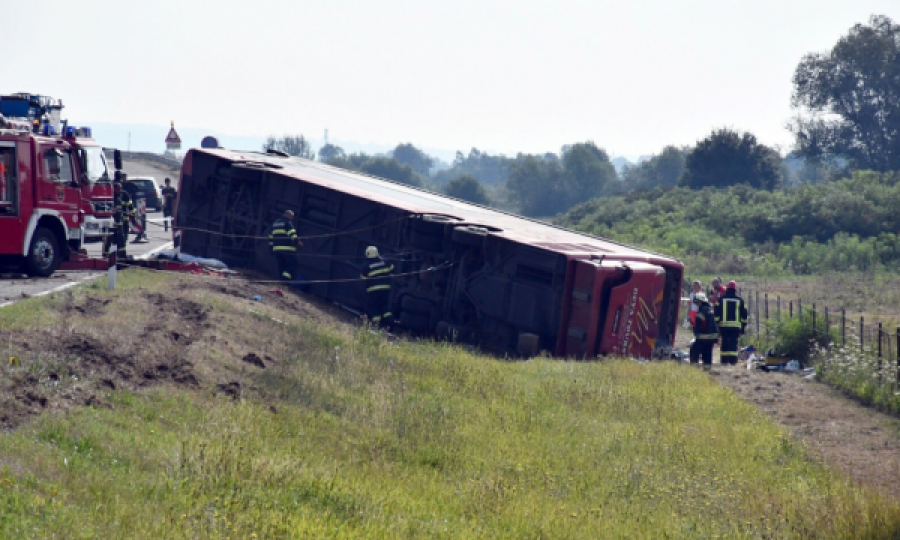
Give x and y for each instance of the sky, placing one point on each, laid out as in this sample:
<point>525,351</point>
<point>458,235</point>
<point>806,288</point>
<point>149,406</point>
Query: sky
<point>502,76</point>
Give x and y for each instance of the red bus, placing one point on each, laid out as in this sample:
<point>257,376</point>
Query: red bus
<point>500,281</point>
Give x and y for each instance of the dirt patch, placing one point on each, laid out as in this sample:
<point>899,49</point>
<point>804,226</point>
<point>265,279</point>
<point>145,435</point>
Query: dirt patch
<point>254,360</point>
<point>97,344</point>
<point>859,441</point>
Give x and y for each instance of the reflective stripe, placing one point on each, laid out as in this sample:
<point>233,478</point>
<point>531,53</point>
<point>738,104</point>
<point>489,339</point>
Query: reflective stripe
<point>707,336</point>
<point>374,288</point>
<point>729,353</point>
<point>387,270</point>
<point>284,248</point>
<point>276,232</point>
<point>286,275</point>
<point>388,314</point>
<point>731,308</point>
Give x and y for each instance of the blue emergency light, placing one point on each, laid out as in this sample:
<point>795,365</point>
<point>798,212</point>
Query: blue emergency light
<point>70,131</point>
<point>48,130</point>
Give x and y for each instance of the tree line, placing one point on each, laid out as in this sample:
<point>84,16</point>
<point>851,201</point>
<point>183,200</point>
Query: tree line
<point>847,104</point>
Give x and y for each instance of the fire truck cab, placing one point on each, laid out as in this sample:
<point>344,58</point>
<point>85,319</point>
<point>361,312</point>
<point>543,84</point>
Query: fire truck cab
<point>89,167</point>
<point>42,181</point>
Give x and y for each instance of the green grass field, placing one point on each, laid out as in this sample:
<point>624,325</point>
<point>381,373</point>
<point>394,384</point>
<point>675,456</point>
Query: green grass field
<point>346,434</point>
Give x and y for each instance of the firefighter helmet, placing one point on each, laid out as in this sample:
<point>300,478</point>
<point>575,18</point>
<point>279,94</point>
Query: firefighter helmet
<point>731,285</point>
<point>371,252</point>
<point>701,298</point>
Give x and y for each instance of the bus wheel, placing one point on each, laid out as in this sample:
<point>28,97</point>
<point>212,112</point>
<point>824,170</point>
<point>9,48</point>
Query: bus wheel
<point>43,254</point>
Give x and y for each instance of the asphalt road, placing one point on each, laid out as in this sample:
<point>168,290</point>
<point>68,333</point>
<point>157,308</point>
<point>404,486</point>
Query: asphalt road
<point>14,287</point>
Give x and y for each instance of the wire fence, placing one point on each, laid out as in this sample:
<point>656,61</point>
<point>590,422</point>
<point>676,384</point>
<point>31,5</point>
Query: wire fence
<point>872,340</point>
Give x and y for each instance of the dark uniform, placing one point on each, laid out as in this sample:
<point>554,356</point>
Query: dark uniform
<point>377,274</point>
<point>123,209</point>
<point>283,243</point>
<point>168,194</point>
<point>705,335</point>
<point>731,317</point>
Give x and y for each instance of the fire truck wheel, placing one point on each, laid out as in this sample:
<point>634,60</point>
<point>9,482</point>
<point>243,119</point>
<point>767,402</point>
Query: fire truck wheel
<point>43,255</point>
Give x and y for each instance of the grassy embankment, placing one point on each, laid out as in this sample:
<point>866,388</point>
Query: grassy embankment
<point>345,434</point>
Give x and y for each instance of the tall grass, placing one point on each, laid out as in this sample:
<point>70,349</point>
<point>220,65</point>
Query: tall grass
<point>347,434</point>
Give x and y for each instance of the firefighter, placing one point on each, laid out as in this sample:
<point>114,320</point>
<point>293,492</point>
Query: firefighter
<point>283,242</point>
<point>705,332</point>
<point>168,194</point>
<point>119,234</point>
<point>377,274</point>
<point>731,318</point>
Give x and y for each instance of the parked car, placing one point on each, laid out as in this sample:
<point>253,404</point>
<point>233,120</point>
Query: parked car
<point>145,187</point>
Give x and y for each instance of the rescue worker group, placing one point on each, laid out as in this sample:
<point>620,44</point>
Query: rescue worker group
<point>284,243</point>
<point>723,314</point>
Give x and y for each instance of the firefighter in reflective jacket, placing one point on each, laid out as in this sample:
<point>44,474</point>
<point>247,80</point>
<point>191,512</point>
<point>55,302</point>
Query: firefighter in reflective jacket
<point>377,274</point>
<point>731,317</point>
<point>705,332</point>
<point>119,234</point>
<point>283,242</point>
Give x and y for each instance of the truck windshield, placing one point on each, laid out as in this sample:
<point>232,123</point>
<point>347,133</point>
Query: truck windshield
<point>95,164</point>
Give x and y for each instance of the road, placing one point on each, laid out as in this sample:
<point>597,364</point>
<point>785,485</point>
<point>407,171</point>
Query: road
<point>14,287</point>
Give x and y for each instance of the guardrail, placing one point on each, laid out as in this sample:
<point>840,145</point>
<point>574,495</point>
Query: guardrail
<point>162,159</point>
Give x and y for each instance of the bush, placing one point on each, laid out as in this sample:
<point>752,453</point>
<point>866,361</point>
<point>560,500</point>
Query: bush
<point>796,337</point>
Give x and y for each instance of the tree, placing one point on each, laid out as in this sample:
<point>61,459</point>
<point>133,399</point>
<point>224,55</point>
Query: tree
<point>292,145</point>
<point>533,184</point>
<point>659,171</point>
<point>487,169</point>
<point>588,173</point>
<point>727,158</point>
<point>467,188</point>
<point>418,160</point>
<point>391,169</point>
<point>849,99</point>
<point>330,152</point>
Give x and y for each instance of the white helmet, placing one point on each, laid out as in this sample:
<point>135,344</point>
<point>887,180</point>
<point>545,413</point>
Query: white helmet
<point>371,252</point>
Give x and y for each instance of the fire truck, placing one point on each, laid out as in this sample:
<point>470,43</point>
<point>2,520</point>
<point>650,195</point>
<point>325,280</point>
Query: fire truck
<point>89,165</point>
<point>53,181</point>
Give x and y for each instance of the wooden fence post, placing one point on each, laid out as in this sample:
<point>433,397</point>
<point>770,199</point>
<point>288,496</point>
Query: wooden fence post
<point>862,334</point>
<point>814,320</point>
<point>843,327</point>
<point>756,305</point>
<point>827,331</point>
<point>778,307</point>
<point>898,356</point>
<point>791,309</point>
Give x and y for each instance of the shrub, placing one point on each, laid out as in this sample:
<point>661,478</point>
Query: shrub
<point>796,337</point>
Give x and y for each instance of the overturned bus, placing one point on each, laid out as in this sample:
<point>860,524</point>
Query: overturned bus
<point>502,282</point>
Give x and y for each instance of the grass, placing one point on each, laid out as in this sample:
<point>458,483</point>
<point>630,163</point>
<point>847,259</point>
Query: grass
<point>346,434</point>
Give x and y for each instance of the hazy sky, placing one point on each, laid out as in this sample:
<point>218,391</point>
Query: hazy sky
<point>505,76</point>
